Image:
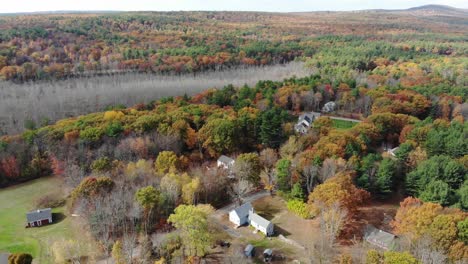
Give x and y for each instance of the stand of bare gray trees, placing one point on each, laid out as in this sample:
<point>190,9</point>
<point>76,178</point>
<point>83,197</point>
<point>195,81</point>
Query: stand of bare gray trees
<point>38,101</point>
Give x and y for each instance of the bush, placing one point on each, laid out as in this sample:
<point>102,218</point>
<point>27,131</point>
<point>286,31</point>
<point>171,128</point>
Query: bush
<point>299,208</point>
<point>20,258</point>
<point>91,186</point>
<point>114,129</point>
<point>92,134</point>
<point>101,165</point>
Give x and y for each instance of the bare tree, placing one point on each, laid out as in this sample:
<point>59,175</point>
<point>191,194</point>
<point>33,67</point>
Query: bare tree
<point>332,219</point>
<point>331,167</point>
<point>238,189</point>
<point>129,241</point>
<point>311,174</point>
<point>423,249</point>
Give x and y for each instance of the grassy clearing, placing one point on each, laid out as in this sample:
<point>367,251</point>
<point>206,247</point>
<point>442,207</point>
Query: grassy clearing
<point>15,202</point>
<point>343,124</point>
<point>268,207</point>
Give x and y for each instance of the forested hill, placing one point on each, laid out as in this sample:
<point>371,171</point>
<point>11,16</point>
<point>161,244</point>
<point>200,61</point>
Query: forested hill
<point>57,46</point>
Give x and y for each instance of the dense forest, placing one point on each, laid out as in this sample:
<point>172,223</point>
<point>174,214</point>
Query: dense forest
<point>140,168</point>
<point>63,45</point>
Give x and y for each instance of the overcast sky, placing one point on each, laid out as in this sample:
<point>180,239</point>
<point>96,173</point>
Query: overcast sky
<point>234,5</point>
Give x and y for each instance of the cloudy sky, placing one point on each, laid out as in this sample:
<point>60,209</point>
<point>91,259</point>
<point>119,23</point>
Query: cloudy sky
<point>244,5</point>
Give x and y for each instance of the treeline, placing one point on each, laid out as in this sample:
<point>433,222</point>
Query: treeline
<point>59,47</point>
<point>35,104</point>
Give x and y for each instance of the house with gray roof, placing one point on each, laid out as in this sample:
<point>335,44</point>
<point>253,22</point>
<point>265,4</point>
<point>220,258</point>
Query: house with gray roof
<point>245,214</point>
<point>329,107</point>
<point>240,215</point>
<point>39,217</point>
<point>380,238</point>
<point>261,224</point>
<point>305,121</point>
<point>225,162</point>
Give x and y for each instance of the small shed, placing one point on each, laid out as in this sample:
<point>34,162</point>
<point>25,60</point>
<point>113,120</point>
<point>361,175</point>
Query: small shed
<point>261,224</point>
<point>39,217</point>
<point>249,250</point>
<point>225,162</point>
<point>380,238</point>
<point>240,215</point>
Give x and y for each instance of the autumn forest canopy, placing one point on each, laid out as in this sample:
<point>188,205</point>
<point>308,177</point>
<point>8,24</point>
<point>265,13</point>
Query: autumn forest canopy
<point>395,136</point>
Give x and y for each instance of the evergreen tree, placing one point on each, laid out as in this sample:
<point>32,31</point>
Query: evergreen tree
<point>385,177</point>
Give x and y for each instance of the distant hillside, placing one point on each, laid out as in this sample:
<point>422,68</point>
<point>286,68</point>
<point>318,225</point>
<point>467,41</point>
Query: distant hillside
<point>436,10</point>
<point>426,10</point>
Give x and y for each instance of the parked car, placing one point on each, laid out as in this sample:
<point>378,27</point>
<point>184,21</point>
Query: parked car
<point>267,255</point>
<point>249,251</point>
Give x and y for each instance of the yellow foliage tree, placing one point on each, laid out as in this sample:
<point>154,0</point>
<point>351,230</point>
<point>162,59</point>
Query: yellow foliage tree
<point>166,162</point>
<point>113,115</point>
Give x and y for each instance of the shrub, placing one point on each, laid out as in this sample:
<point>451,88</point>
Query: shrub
<point>92,134</point>
<point>91,186</point>
<point>101,165</point>
<point>114,129</point>
<point>113,115</point>
<point>20,258</point>
<point>299,208</point>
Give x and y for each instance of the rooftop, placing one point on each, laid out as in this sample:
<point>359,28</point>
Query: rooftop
<point>379,237</point>
<point>225,159</point>
<point>243,210</point>
<point>259,220</point>
<point>39,214</point>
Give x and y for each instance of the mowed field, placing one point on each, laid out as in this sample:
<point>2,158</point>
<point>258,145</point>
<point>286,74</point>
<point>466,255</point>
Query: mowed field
<point>15,202</point>
<point>343,124</point>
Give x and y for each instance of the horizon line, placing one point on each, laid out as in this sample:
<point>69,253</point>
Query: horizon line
<point>71,11</point>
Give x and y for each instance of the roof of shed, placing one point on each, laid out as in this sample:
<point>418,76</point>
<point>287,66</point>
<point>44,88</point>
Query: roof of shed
<point>39,214</point>
<point>379,237</point>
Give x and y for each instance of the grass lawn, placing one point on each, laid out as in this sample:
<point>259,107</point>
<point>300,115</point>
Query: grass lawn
<point>343,124</point>
<point>14,203</point>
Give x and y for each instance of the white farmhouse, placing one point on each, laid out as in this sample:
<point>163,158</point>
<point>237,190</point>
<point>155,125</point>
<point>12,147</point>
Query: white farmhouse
<point>225,162</point>
<point>245,214</point>
<point>305,121</point>
<point>240,215</point>
<point>261,224</point>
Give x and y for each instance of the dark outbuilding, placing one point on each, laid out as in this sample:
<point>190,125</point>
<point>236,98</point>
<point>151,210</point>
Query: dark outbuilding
<point>39,217</point>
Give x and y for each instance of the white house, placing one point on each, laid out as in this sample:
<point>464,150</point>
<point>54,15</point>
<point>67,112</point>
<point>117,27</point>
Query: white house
<point>240,215</point>
<point>305,121</point>
<point>245,214</point>
<point>393,151</point>
<point>225,162</point>
<point>329,107</point>
<point>261,224</point>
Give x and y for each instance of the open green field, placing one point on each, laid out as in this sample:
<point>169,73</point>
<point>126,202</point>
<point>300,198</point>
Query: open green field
<point>14,203</point>
<point>343,124</point>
